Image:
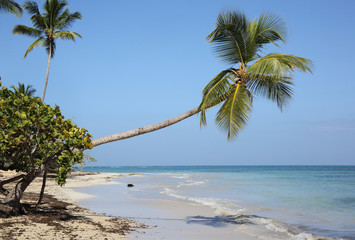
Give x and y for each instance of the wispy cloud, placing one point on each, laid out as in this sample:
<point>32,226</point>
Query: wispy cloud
<point>333,128</point>
<point>339,125</point>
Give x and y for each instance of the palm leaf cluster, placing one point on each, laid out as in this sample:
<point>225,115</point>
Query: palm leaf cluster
<point>25,90</point>
<point>241,43</point>
<point>50,25</point>
<point>11,7</point>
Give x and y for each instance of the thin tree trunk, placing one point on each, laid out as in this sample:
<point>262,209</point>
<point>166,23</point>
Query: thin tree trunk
<point>47,74</point>
<point>43,187</point>
<point>143,130</point>
<point>7,181</point>
<point>12,203</point>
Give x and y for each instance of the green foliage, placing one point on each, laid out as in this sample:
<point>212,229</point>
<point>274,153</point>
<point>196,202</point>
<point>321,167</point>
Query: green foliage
<point>235,111</point>
<point>11,7</point>
<point>50,25</point>
<point>219,86</point>
<point>22,89</point>
<point>241,42</point>
<point>32,133</point>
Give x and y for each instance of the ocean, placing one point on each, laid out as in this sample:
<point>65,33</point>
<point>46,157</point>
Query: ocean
<point>293,199</point>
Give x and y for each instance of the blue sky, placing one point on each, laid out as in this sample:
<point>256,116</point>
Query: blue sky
<point>142,62</point>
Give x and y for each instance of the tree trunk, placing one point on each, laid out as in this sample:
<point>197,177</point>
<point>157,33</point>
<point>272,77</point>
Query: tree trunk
<point>12,204</point>
<point>47,74</point>
<point>143,130</point>
<point>42,189</point>
<point>7,181</point>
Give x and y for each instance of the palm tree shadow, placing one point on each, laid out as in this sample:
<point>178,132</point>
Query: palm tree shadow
<point>220,221</point>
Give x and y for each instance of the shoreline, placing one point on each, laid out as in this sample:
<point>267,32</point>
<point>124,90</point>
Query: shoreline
<point>160,219</point>
<point>182,218</point>
<point>60,216</point>
<point>78,180</point>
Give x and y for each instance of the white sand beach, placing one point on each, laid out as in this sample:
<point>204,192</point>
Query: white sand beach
<point>145,219</point>
<point>64,219</point>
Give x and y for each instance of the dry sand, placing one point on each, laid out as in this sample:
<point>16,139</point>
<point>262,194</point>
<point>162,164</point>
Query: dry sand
<point>59,217</point>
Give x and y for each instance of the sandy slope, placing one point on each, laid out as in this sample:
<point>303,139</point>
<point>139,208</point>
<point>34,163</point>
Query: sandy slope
<point>59,217</point>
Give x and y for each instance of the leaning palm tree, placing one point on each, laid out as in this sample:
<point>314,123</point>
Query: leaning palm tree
<point>21,89</point>
<point>11,7</point>
<point>239,42</point>
<point>48,27</point>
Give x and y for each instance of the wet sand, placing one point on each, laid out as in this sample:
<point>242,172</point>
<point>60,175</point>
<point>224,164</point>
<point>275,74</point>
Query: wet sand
<point>182,219</point>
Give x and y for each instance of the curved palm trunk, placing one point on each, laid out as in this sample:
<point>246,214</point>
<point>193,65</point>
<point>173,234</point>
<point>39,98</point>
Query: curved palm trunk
<point>47,74</point>
<point>143,130</point>
<point>12,204</point>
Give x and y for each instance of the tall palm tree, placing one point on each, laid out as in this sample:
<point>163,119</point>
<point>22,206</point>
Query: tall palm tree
<point>48,27</point>
<point>11,7</point>
<point>241,43</point>
<point>28,90</point>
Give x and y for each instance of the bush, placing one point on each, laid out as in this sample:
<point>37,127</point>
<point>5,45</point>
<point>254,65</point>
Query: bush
<point>32,133</point>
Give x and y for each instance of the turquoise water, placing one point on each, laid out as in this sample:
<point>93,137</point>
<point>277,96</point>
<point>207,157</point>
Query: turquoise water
<point>314,199</point>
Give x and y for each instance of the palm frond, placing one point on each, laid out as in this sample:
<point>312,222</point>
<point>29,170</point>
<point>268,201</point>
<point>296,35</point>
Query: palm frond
<point>276,88</point>
<point>228,20</point>
<point>11,7</point>
<point>53,9</point>
<point>235,112</point>
<point>30,91</point>
<point>21,89</point>
<point>67,35</point>
<point>214,93</point>
<point>270,76</point>
<point>38,42</point>
<point>67,19</point>
<point>63,15</point>
<point>279,65</point>
<point>24,30</point>
<point>269,28</point>
<point>39,22</point>
<point>230,36</point>
<point>31,7</point>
